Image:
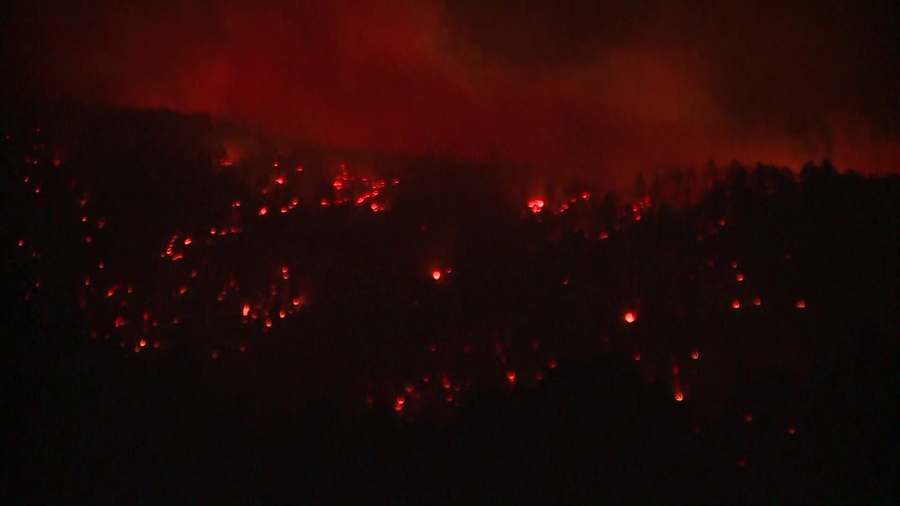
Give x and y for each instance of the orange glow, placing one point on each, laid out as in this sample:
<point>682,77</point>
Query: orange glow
<point>187,241</point>
<point>263,211</point>
<point>279,180</point>
<point>246,309</point>
<point>740,277</point>
<point>401,400</point>
<point>511,376</point>
<point>282,313</point>
<point>695,354</point>
<point>436,274</point>
<point>679,396</point>
<point>757,301</point>
<point>735,304</point>
<point>143,343</point>
<point>630,317</point>
<point>801,304</point>
<point>296,301</point>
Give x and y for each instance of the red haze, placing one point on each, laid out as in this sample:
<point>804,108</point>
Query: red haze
<point>633,89</point>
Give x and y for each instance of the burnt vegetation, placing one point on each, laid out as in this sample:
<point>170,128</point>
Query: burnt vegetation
<point>720,334</point>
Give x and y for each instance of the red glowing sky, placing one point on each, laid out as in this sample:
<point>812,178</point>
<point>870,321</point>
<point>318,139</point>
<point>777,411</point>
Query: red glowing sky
<point>570,86</point>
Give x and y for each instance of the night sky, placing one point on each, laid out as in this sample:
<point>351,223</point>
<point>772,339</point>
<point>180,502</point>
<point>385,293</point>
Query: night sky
<point>465,250</point>
<point>599,89</point>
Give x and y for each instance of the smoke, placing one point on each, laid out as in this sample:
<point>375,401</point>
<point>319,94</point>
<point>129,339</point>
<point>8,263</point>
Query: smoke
<point>573,88</point>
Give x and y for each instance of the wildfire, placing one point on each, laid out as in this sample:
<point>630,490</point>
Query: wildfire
<point>536,205</point>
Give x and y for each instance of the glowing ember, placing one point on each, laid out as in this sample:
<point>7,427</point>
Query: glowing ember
<point>436,274</point>
<point>246,309</point>
<point>740,277</point>
<point>511,376</point>
<point>629,317</point>
<point>263,211</point>
<point>536,205</point>
<point>801,304</point>
<point>695,354</point>
<point>679,396</point>
<point>735,304</point>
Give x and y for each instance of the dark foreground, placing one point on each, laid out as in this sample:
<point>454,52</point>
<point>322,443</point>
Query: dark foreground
<point>310,354</point>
